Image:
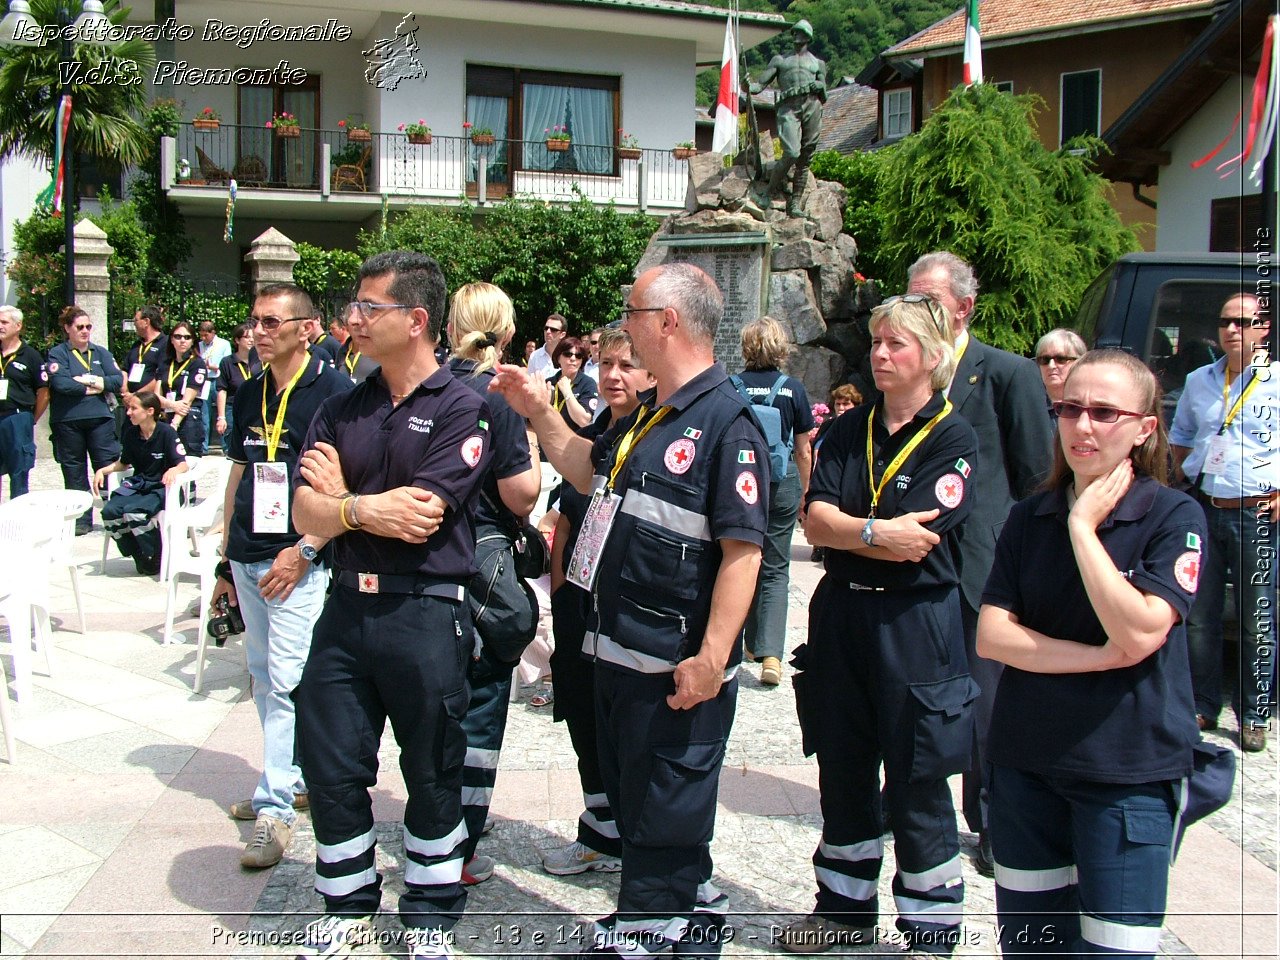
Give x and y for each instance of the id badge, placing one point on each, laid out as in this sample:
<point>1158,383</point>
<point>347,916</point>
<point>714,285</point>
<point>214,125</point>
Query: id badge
<point>4,389</point>
<point>204,391</point>
<point>1215,461</point>
<point>601,512</point>
<point>171,396</point>
<point>136,373</point>
<point>270,498</point>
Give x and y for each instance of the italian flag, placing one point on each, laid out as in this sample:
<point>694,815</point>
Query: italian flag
<point>972,46</point>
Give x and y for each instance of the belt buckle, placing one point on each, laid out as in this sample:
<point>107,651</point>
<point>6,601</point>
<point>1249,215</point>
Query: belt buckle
<point>367,582</point>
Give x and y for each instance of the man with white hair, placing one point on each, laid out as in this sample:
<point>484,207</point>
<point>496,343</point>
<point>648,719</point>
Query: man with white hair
<point>23,400</point>
<point>1002,397</point>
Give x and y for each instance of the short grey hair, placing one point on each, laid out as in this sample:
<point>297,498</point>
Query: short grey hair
<point>694,295</point>
<point>12,312</point>
<point>962,280</point>
<point>1062,339</point>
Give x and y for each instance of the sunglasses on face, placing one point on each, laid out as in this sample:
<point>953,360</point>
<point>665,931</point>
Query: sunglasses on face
<point>82,326</point>
<point>573,356</point>
<point>273,323</point>
<point>1073,411</point>
<point>553,330</point>
<point>1242,322</point>
<point>179,336</point>
<point>1061,359</point>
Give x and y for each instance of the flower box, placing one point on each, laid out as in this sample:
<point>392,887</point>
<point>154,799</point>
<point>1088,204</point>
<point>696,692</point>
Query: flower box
<point>423,138</point>
<point>359,136</point>
<point>629,153</point>
<point>482,139</point>
<point>206,124</point>
<point>684,153</point>
<point>558,146</point>
<point>289,133</point>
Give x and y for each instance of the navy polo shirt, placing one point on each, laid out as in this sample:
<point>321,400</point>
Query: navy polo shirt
<point>937,476</point>
<point>177,376</point>
<point>233,373</point>
<point>792,403</point>
<point>151,456</point>
<point>150,355</point>
<point>584,390</point>
<point>326,348</point>
<point>22,370</point>
<point>437,439</point>
<point>69,400</point>
<point>510,443</point>
<point>1130,725</point>
<point>247,444</point>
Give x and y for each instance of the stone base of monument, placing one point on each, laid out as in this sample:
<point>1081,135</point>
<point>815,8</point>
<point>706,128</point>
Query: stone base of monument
<point>798,270</point>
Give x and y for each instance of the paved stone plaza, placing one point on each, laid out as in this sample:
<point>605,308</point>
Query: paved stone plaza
<point>116,840</point>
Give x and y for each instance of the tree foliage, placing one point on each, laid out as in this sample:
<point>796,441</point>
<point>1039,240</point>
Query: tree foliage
<point>571,258</point>
<point>105,106</point>
<point>1035,223</point>
<point>160,216</point>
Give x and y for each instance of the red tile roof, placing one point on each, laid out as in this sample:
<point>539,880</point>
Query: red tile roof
<point>1010,18</point>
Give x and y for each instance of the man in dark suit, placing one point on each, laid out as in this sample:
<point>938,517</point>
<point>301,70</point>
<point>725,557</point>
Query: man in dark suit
<point>1003,398</point>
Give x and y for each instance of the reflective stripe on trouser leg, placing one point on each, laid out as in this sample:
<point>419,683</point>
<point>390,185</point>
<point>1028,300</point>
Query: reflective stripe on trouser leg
<point>846,863</point>
<point>928,888</point>
<point>346,867</point>
<point>596,823</point>
<point>485,725</point>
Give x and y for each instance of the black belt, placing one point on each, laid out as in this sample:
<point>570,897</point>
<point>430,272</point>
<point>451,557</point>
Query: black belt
<point>401,584</point>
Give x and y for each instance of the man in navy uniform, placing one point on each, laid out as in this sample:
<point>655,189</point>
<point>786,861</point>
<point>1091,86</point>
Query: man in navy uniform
<point>1002,397</point>
<point>324,345</point>
<point>24,397</point>
<point>142,363</point>
<point>274,577</point>
<point>670,549</point>
<point>392,470</point>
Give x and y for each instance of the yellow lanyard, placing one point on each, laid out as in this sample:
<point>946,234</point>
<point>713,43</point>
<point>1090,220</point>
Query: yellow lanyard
<point>1239,404</point>
<point>353,357</point>
<point>5,361</point>
<point>901,458</point>
<point>558,398</point>
<point>960,353</point>
<point>173,377</point>
<point>273,431</point>
<point>85,363</point>
<point>631,438</point>
<point>244,370</point>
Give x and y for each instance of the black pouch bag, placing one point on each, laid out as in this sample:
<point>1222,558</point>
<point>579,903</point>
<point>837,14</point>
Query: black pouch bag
<point>504,608</point>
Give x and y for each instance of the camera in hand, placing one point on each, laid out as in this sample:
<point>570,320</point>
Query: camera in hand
<point>226,621</point>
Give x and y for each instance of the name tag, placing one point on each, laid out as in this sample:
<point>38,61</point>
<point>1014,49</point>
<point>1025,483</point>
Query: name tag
<point>204,391</point>
<point>584,565</point>
<point>136,373</point>
<point>270,498</point>
<point>4,389</point>
<point>1215,460</point>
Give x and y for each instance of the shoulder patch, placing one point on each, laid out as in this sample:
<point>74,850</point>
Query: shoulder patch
<point>692,433</point>
<point>679,456</point>
<point>1186,570</point>
<point>746,456</point>
<point>472,448</point>
<point>1193,542</point>
<point>53,367</point>
<point>963,468</point>
<point>748,487</point>
<point>949,490</point>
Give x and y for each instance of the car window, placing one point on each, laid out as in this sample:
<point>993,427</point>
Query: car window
<point>1183,331</point>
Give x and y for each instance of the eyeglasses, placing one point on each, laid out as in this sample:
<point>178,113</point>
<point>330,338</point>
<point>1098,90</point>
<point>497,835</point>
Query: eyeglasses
<point>367,308</point>
<point>628,311</point>
<point>273,323</point>
<point>1060,359</point>
<point>179,336</point>
<point>939,319</point>
<point>1072,411</point>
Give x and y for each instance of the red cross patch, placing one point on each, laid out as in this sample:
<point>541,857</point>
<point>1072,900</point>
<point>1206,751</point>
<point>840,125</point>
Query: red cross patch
<point>747,486</point>
<point>472,448</point>
<point>368,583</point>
<point>1186,570</point>
<point>949,490</point>
<point>679,456</point>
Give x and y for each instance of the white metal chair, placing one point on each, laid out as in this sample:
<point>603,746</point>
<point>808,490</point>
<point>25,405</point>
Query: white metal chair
<point>24,570</point>
<point>59,509</point>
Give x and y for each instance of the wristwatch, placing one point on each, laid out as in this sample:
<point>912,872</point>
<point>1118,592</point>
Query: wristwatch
<point>309,553</point>
<point>866,532</point>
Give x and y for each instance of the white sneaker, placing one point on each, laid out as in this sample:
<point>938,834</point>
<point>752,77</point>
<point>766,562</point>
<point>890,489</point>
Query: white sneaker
<point>577,857</point>
<point>429,944</point>
<point>333,936</point>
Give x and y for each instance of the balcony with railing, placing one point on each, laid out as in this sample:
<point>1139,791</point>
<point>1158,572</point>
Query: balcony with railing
<point>342,164</point>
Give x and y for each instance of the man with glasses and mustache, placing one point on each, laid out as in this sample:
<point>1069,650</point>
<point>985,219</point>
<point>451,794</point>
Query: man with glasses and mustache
<point>553,331</point>
<point>392,471</point>
<point>1002,397</point>
<point>274,576</point>
<point>1223,442</point>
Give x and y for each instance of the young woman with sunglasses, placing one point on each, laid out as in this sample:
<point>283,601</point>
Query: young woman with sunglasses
<point>182,388</point>
<point>884,678</point>
<point>83,377</point>
<point>1093,723</point>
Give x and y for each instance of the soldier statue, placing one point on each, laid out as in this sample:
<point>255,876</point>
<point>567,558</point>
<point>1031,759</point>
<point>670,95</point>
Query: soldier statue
<point>802,90</point>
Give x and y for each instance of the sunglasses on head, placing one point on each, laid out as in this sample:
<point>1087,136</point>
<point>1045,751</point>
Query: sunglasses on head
<point>930,302</point>
<point>1072,411</point>
<point>1059,358</point>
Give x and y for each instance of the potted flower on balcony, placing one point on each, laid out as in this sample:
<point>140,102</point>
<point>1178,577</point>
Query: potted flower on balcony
<point>416,132</point>
<point>628,146</point>
<point>557,139</point>
<point>359,132</point>
<point>285,125</point>
<point>684,150</point>
<point>207,119</point>
<point>480,136</point>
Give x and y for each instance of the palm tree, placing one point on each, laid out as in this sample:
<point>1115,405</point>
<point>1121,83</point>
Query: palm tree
<point>108,91</point>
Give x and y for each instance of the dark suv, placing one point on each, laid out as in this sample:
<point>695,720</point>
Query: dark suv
<point>1163,307</point>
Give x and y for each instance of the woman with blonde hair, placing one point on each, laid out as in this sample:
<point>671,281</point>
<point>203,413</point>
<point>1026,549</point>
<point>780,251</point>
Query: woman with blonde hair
<point>765,348</point>
<point>884,678</point>
<point>481,323</point>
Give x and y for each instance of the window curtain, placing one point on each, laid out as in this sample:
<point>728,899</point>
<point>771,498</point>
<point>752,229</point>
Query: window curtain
<point>300,154</point>
<point>586,114</point>
<point>488,112</point>
<point>255,138</point>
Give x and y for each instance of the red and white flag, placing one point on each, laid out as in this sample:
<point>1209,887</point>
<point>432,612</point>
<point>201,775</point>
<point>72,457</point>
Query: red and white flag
<point>725,138</point>
<point>972,46</point>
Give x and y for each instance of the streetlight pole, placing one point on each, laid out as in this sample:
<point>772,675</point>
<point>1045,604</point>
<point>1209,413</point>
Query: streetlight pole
<point>66,57</point>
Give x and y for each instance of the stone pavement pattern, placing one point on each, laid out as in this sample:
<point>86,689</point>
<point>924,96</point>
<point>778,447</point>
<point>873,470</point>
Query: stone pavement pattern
<point>115,841</point>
